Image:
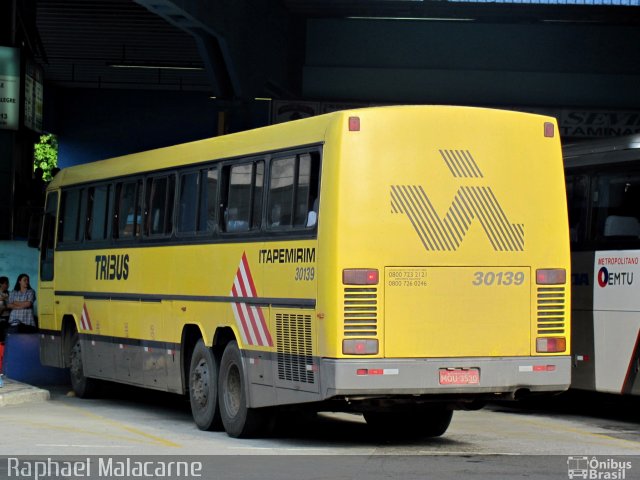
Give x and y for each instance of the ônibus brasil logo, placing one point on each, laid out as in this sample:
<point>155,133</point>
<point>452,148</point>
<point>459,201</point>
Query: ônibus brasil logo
<point>619,278</point>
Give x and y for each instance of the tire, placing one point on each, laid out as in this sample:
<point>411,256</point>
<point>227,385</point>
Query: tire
<point>239,421</point>
<point>203,388</point>
<point>82,386</point>
<point>416,424</point>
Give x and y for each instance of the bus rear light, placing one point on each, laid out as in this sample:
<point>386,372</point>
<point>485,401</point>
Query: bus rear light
<point>551,276</point>
<point>354,124</point>
<point>360,347</point>
<point>360,276</point>
<point>370,371</point>
<point>551,344</point>
<point>544,368</point>
<point>549,130</point>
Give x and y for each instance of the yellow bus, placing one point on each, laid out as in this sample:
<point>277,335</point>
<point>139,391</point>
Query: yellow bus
<point>399,262</point>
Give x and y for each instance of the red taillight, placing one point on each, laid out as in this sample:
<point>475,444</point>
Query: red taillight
<point>544,368</point>
<point>551,276</point>
<point>551,344</point>
<point>370,371</point>
<point>360,276</point>
<point>354,124</point>
<point>359,346</point>
<point>549,130</point>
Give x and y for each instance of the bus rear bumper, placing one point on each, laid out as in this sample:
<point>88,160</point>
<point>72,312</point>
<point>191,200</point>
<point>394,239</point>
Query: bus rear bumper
<point>506,376</point>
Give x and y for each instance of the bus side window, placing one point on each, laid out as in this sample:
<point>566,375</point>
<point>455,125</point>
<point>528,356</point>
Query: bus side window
<point>243,208</point>
<point>616,208</point>
<point>281,189</point>
<point>159,203</point>
<point>293,192</point>
<point>72,211</point>
<point>128,209</point>
<point>307,192</point>
<point>48,238</point>
<point>188,202</point>
<point>208,200</point>
<point>578,202</point>
<point>97,208</point>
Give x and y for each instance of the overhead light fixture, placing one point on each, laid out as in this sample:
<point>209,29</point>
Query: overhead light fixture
<point>262,99</point>
<point>419,19</point>
<point>153,67</point>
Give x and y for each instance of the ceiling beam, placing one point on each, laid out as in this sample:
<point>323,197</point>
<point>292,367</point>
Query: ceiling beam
<point>212,46</point>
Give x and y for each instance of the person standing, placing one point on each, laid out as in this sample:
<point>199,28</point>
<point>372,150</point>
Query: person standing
<point>21,299</point>
<point>4,311</point>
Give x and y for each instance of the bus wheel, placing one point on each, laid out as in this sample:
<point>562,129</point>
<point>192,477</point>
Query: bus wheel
<point>430,423</point>
<point>82,386</point>
<point>203,391</point>
<point>238,420</point>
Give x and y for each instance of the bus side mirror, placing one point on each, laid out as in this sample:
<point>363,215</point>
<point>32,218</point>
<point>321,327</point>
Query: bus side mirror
<point>35,228</point>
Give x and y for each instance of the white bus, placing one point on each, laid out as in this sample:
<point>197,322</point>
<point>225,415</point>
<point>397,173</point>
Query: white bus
<point>603,189</point>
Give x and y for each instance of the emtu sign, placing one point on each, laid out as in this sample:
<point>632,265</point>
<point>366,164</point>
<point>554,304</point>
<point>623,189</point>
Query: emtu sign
<point>9,88</point>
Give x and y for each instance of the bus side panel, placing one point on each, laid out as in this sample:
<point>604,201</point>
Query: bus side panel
<point>287,372</point>
<point>51,350</point>
<point>616,321</point>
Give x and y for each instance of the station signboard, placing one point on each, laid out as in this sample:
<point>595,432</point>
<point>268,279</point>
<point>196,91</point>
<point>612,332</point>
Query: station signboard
<point>9,88</point>
<point>33,88</point>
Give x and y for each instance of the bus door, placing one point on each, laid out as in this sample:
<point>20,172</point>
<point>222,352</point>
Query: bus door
<point>46,308</point>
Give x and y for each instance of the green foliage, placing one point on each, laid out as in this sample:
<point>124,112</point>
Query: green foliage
<point>45,155</point>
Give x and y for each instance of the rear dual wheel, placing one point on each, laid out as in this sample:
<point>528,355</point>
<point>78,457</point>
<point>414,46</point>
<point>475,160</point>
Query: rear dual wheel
<point>203,388</point>
<point>239,421</point>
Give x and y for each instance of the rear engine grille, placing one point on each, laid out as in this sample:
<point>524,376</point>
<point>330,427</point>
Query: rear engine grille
<point>551,310</point>
<point>360,312</point>
<point>294,347</point>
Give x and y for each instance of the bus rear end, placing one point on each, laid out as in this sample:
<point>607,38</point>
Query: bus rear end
<point>451,258</point>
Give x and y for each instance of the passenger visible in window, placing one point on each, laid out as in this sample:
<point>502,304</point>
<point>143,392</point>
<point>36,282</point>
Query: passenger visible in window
<point>21,299</point>
<point>276,215</point>
<point>233,223</point>
<point>312,216</point>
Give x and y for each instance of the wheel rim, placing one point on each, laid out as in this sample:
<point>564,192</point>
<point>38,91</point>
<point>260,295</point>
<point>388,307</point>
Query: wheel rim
<point>200,383</point>
<point>233,391</point>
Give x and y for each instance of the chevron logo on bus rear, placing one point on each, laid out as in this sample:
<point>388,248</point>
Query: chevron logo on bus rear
<point>470,203</point>
<point>250,319</point>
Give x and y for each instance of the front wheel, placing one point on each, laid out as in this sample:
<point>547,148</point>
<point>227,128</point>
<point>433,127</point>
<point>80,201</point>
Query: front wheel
<point>203,388</point>
<point>239,421</point>
<point>82,386</point>
<point>418,424</point>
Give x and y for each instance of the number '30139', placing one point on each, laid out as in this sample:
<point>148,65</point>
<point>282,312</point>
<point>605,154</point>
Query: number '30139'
<point>305,274</point>
<point>489,279</point>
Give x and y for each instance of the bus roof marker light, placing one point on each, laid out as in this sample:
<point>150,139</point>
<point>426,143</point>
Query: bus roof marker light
<point>549,130</point>
<point>360,276</point>
<point>354,124</point>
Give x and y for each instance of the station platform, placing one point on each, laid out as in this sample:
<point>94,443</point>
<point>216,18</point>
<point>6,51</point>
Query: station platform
<point>13,392</point>
<point>24,378</point>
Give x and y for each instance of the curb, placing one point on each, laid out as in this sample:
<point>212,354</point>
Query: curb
<point>16,393</point>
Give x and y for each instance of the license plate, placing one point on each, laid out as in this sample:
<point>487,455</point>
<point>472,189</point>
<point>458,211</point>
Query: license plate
<point>459,376</point>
